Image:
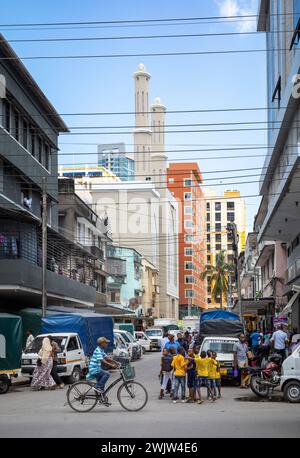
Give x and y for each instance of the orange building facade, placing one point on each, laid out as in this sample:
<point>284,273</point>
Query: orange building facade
<point>184,182</point>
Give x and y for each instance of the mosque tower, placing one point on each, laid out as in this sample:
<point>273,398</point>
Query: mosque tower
<point>158,155</point>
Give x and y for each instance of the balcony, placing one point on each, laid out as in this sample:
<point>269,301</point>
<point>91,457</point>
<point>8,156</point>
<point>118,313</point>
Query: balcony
<point>96,251</point>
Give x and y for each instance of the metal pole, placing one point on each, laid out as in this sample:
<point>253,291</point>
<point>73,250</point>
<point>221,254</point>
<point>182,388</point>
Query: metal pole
<point>229,295</point>
<point>44,249</point>
<point>190,306</point>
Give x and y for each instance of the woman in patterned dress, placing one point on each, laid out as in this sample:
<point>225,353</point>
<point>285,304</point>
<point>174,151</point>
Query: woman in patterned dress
<point>42,373</point>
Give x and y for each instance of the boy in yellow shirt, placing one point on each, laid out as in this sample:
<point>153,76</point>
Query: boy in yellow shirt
<point>218,380</point>
<point>202,364</point>
<point>212,375</point>
<point>179,365</point>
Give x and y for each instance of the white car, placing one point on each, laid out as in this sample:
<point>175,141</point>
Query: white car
<point>155,335</point>
<point>143,340</point>
<point>134,348</point>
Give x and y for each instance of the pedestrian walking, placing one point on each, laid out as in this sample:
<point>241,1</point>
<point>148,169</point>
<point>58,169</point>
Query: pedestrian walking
<point>166,371</point>
<point>163,340</point>
<point>279,341</point>
<point>179,365</point>
<point>240,358</point>
<point>42,373</point>
<point>191,375</point>
<point>219,380</point>
<point>212,375</point>
<point>202,374</point>
<point>55,350</point>
<point>30,338</point>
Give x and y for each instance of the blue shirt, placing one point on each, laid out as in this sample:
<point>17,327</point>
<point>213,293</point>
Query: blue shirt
<point>169,345</point>
<point>95,362</point>
<point>255,339</point>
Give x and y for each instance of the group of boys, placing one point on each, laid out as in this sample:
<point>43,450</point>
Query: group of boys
<point>179,368</point>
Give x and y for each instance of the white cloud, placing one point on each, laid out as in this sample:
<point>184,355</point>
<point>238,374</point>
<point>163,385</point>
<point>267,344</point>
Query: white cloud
<point>229,8</point>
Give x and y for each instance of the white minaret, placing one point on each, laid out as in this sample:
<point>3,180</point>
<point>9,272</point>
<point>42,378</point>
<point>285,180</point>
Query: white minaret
<point>159,157</point>
<point>142,133</point>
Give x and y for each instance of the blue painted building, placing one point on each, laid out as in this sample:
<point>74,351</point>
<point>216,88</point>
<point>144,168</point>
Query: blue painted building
<point>114,158</point>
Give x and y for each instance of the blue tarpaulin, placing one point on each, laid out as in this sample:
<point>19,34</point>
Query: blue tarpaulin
<point>218,314</point>
<point>89,326</point>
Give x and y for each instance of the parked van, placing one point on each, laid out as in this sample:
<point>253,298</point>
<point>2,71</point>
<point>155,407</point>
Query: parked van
<point>72,361</point>
<point>155,335</point>
<point>290,377</point>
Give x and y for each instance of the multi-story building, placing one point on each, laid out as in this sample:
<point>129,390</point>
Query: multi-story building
<point>114,158</point>
<point>29,129</point>
<point>221,210</point>
<point>184,182</point>
<point>79,223</point>
<point>280,185</point>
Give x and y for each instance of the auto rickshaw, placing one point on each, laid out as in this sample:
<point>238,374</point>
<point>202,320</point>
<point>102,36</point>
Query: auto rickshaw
<point>10,349</point>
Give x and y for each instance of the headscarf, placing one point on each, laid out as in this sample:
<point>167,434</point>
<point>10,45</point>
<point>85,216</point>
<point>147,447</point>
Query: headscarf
<point>46,350</point>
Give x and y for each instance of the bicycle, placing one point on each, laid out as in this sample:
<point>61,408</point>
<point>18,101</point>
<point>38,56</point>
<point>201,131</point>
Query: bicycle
<point>83,396</point>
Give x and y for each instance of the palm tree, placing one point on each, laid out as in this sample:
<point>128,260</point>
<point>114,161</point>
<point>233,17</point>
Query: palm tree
<point>219,276</point>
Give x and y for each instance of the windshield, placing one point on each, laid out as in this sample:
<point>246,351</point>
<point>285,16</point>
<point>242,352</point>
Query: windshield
<point>219,346</point>
<point>36,344</point>
<point>154,332</point>
<point>125,337</point>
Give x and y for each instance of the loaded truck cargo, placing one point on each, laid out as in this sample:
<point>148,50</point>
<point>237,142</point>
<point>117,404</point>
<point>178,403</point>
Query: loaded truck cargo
<point>89,326</point>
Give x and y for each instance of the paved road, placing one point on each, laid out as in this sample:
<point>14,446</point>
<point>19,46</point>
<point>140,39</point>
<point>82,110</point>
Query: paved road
<point>24,413</point>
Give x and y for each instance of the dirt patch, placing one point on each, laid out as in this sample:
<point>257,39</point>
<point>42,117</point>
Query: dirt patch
<point>274,398</point>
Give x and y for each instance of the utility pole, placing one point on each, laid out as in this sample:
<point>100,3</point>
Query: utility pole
<point>44,249</point>
<point>229,295</point>
<point>232,229</point>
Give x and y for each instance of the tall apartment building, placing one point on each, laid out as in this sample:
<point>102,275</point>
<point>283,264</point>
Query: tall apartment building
<point>113,157</point>
<point>184,182</point>
<point>280,186</point>
<point>221,210</point>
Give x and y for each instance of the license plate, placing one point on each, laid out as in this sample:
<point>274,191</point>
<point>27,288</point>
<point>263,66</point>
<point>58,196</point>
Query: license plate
<point>223,371</point>
<point>26,361</point>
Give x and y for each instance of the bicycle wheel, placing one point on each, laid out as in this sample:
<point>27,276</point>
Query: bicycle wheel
<point>82,397</point>
<point>132,396</point>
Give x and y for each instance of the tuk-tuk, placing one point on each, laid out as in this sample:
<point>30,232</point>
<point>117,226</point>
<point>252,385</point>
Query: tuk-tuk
<point>10,349</point>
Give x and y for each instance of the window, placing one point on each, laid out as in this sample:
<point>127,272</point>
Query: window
<point>25,134</point>
<point>189,266</point>
<point>229,247</point>
<point>189,279</point>
<point>230,258</point>
<point>72,345</point>
<point>208,206</point>
<point>218,247</point>
<point>189,238</point>
<point>189,293</point>
<point>230,217</point>
<point>208,237</point>
<point>189,252</point>
<point>6,115</point>
<point>209,300</point>
<point>40,150</point>
<point>187,182</point>
<point>218,227</point>
<point>218,217</point>
<point>16,125</point>
<point>217,206</point>
<point>208,247</point>
<point>32,134</point>
<point>208,217</point>
<point>218,237</point>
<point>208,280</point>
<point>47,157</point>
<point>187,196</point>
<point>208,228</point>
<point>188,224</point>
<point>188,210</point>
<point>171,180</point>
<point>208,259</point>
<point>209,289</point>
<point>230,206</point>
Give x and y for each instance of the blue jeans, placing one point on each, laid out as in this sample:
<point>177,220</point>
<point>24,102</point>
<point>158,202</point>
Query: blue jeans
<point>101,377</point>
<point>179,381</point>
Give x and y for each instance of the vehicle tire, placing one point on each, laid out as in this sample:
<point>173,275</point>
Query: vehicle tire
<point>76,376</point>
<point>262,392</point>
<point>81,397</point>
<point>132,396</point>
<point>291,392</point>
<point>4,385</point>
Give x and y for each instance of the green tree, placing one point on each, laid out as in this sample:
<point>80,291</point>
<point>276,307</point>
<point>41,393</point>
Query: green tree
<point>219,274</point>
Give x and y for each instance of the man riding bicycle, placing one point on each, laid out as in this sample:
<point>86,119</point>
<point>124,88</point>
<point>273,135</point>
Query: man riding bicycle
<point>95,367</point>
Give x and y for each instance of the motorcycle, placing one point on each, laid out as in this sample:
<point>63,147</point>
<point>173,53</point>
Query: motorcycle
<point>267,378</point>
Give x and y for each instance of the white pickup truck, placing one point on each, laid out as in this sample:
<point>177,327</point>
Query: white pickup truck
<point>72,361</point>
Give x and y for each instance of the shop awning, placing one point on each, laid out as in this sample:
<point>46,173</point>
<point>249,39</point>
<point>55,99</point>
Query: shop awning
<point>288,308</point>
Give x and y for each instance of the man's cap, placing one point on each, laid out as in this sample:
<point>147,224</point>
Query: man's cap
<point>102,339</point>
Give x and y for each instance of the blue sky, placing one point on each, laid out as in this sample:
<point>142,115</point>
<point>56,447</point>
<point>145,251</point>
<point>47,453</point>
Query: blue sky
<point>183,83</point>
